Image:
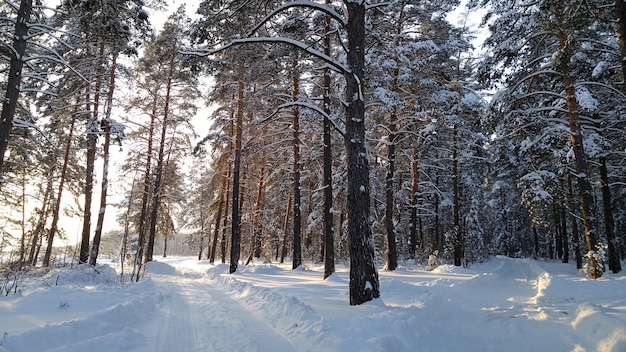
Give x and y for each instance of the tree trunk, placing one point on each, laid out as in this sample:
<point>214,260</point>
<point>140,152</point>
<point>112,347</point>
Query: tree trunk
<point>364,284</point>
<point>565,257</point>
<point>158,178</point>
<point>283,251</point>
<point>582,171</point>
<point>614,262</point>
<point>14,78</point>
<point>37,232</point>
<point>57,205</point>
<point>235,228</point>
<point>620,12</point>
<point>257,223</point>
<point>147,185</point>
<point>297,202</point>
<point>226,204</point>
<point>327,216</point>
<point>106,125</point>
<point>218,219</point>
<point>124,243</point>
<point>92,139</point>
<point>458,234</point>
<point>574,222</point>
<point>414,190</point>
<point>392,252</point>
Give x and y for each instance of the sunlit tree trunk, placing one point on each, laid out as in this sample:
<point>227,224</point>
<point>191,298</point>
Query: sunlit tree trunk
<point>582,170</point>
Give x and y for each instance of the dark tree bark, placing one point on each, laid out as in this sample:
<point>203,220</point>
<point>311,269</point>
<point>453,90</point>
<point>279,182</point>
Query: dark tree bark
<point>458,234</point>
<point>202,220</point>
<point>57,204</point>
<point>574,222</point>
<point>43,215</point>
<point>14,78</point>
<point>257,226</point>
<point>414,189</point>
<point>565,257</point>
<point>235,228</point>
<point>327,216</point>
<point>364,284</point>
<point>582,170</point>
<point>92,139</point>
<point>392,252</point>
<point>283,250</point>
<point>216,231</point>
<point>614,262</point>
<point>158,178</point>
<point>106,126</point>
<point>145,197</point>
<point>227,198</point>
<point>297,201</point>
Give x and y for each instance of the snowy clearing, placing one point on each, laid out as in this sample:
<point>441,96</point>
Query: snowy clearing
<point>190,305</point>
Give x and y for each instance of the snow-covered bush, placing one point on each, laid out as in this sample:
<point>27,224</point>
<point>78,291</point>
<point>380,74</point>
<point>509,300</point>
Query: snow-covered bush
<point>433,261</point>
<point>594,262</point>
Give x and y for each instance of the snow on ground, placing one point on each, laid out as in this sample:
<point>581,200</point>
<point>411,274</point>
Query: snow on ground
<point>188,305</point>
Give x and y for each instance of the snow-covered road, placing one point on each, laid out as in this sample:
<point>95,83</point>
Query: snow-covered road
<point>197,316</point>
<point>183,304</point>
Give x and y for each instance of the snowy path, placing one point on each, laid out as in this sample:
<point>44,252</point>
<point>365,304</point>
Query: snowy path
<point>183,304</point>
<point>197,316</point>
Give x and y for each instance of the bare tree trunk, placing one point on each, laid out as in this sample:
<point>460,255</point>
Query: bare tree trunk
<point>57,205</point>
<point>565,258</point>
<point>145,196</point>
<point>283,251</point>
<point>235,225</point>
<point>327,216</point>
<point>390,191</point>
<point>257,226</point>
<point>414,190</point>
<point>201,225</point>
<point>37,232</point>
<point>92,139</point>
<point>584,186</point>
<point>364,284</point>
<point>574,222</point>
<point>216,231</point>
<point>14,78</point>
<point>458,233</point>
<point>106,125</point>
<point>158,179</point>
<point>297,213</point>
<point>123,245</point>
<point>609,225</point>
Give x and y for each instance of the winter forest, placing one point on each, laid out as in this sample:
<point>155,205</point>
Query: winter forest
<point>364,134</point>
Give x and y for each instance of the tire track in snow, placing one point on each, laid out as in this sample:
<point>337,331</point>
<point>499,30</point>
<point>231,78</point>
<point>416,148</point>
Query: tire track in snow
<point>197,316</point>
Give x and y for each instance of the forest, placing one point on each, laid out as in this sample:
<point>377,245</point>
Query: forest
<point>370,133</point>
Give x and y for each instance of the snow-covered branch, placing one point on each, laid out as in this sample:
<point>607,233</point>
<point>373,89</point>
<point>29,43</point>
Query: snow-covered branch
<point>301,3</point>
<point>334,65</point>
<point>307,106</point>
<point>25,124</point>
